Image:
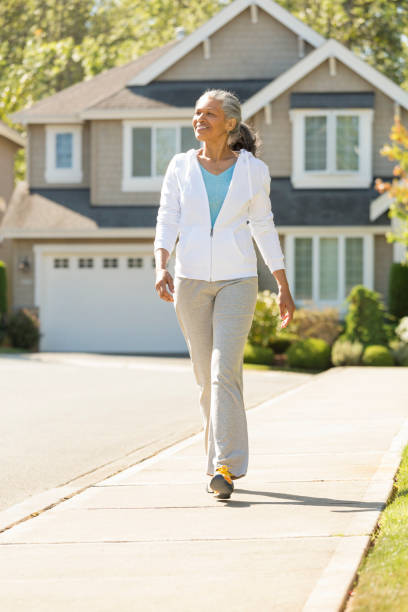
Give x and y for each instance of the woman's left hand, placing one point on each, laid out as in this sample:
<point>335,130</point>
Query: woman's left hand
<point>286,305</point>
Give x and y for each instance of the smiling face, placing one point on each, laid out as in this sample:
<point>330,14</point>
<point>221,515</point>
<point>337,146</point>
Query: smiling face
<point>209,121</point>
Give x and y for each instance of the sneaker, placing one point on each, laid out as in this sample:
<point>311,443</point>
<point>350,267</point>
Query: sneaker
<point>221,483</point>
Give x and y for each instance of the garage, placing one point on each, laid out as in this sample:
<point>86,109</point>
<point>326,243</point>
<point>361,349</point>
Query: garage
<point>102,299</point>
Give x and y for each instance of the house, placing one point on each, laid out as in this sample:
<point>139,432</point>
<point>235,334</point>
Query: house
<point>85,220</point>
<point>10,143</point>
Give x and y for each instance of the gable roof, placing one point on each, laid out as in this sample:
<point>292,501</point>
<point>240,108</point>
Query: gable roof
<point>67,104</point>
<point>331,48</point>
<point>11,135</point>
<point>174,94</point>
<point>219,20</point>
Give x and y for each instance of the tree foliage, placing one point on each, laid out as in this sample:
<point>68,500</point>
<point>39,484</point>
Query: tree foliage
<point>47,45</point>
<point>373,29</point>
<point>397,151</point>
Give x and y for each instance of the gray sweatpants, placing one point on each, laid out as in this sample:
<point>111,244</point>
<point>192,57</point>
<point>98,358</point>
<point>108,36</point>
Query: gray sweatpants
<point>215,318</point>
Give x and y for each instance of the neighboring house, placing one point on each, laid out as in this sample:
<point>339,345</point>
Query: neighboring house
<point>10,143</point>
<point>85,222</point>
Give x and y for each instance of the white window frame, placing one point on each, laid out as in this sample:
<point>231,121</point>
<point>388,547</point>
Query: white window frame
<point>148,183</point>
<point>331,178</point>
<point>315,234</point>
<point>63,175</point>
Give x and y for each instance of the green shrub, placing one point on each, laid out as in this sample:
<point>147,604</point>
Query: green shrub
<point>398,289</point>
<point>313,353</point>
<point>324,324</point>
<point>399,351</point>
<point>23,329</point>
<point>365,319</point>
<point>377,355</point>
<point>258,354</point>
<point>282,341</point>
<point>266,321</point>
<point>344,352</point>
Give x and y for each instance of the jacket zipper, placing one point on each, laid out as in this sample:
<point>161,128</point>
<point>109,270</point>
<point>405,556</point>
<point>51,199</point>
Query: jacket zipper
<point>211,235</point>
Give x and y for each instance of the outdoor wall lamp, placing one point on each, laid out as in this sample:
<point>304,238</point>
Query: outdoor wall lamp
<point>24,264</point>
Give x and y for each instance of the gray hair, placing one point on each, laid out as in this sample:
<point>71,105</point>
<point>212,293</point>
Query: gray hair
<point>242,136</point>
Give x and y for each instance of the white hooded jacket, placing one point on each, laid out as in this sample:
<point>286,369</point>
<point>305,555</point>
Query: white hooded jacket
<point>225,251</point>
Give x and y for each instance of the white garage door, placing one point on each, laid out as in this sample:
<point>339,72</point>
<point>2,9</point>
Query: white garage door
<point>103,301</point>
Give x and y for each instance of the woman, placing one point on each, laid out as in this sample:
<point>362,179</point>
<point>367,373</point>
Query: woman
<point>216,197</point>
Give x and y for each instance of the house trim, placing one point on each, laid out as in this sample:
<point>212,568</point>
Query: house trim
<point>331,48</point>
<point>380,205</point>
<point>11,135</point>
<point>140,232</point>
<point>53,174</point>
<point>219,20</point>
<point>21,117</point>
<point>145,113</point>
<point>331,178</point>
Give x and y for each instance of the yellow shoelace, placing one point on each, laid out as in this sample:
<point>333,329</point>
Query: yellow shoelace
<point>225,472</point>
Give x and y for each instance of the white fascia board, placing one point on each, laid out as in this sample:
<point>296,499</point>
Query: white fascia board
<point>380,205</point>
<point>137,232</point>
<point>331,48</point>
<point>25,117</point>
<point>12,135</point>
<point>219,20</point>
<point>332,230</point>
<point>142,113</point>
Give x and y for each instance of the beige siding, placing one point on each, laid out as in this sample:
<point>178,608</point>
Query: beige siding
<point>7,153</point>
<point>277,137</point>
<point>107,154</point>
<point>383,256</point>
<point>241,50</point>
<point>36,153</point>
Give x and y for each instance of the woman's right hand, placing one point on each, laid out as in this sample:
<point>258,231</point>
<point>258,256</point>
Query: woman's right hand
<point>164,278</point>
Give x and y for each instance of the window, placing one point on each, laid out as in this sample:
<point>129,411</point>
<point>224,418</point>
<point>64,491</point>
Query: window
<point>61,262</point>
<point>135,262</point>
<point>63,150</point>
<point>85,262</point>
<point>147,150</point>
<point>110,262</point>
<point>331,148</point>
<point>324,268</point>
<point>63,154</point>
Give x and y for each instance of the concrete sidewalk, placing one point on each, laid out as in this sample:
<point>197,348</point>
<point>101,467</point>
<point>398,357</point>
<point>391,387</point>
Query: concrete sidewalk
<point>322,461</point>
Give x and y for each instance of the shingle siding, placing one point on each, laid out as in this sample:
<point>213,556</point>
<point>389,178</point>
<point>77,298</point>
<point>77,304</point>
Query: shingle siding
<point>107,154</point>
<point>277,137</point>
<point>241,50</point>
<point>36,162</point>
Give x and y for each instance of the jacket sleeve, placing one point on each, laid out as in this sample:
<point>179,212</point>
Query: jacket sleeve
<point>168,215</point>
<point>262,225</point>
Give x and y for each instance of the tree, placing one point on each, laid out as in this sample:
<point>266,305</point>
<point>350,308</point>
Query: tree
<point>373,29</point>
<point>398,188</point>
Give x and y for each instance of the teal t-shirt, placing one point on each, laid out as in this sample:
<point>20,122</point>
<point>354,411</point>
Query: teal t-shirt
<point>217,187</point>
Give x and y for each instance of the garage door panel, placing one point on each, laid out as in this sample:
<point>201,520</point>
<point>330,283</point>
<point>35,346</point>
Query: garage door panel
<point>108,304</point>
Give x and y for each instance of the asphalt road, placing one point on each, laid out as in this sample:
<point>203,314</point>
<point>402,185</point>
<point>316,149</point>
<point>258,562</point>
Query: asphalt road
<point>78,418</point>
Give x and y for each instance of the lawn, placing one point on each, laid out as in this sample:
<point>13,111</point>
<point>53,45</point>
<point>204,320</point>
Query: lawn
<point>382,578</point>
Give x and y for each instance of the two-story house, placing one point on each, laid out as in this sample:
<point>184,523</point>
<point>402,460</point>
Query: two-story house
<point>10,143</point>
<point>98,150</point>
